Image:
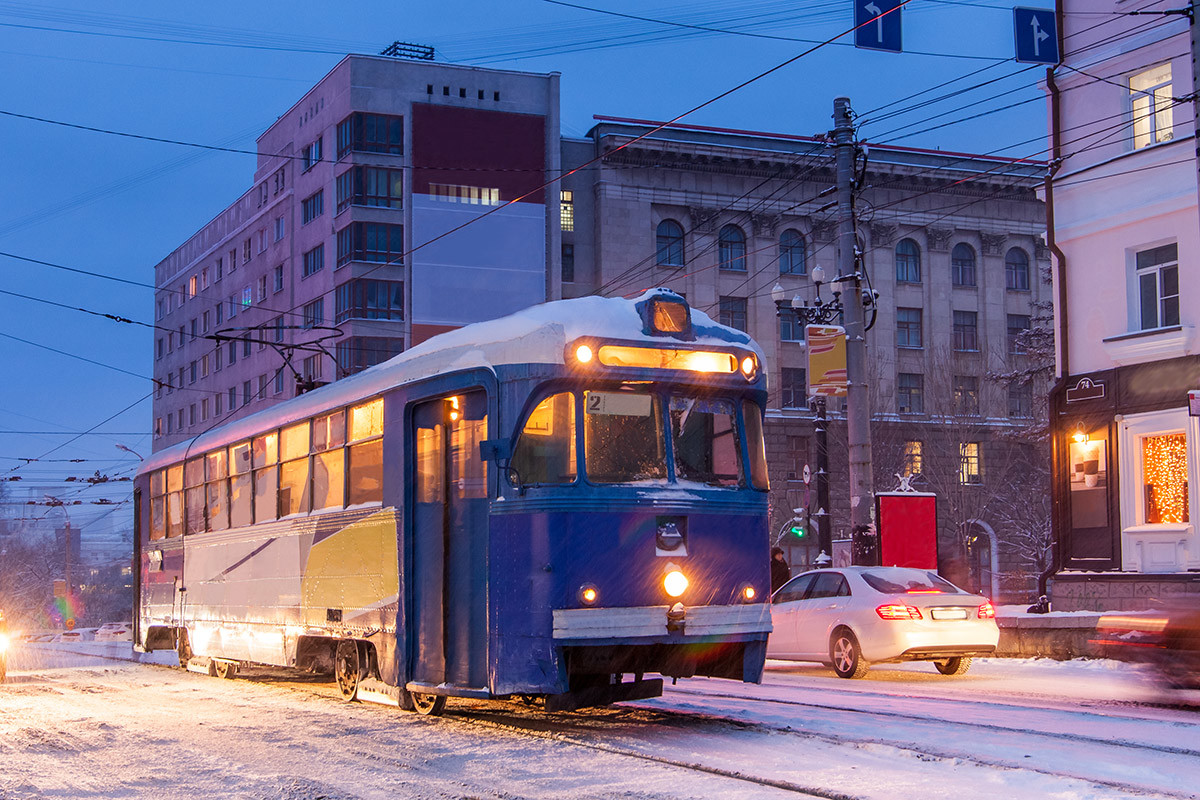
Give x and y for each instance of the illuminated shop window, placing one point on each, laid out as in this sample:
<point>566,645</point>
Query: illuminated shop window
<point>1164,478</point>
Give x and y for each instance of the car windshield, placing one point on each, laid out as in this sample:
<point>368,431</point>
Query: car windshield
<point>908,581</point>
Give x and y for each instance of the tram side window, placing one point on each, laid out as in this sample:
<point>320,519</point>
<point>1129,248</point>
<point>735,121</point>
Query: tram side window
<point>293,471</point>
<point>175,500</point>
<point>366,457</point>
<point>705,440</point>
<point>328,461</point>
<point>217,474</point>
<point>241,502</point>
<point>545,452</point>
<point>266,476</point>
<point>622,437</point>
<point>752,418</point>
<point>158,505</point>
<point>193,501</point>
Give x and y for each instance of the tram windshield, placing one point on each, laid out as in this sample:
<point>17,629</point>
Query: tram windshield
<point>625,435</point>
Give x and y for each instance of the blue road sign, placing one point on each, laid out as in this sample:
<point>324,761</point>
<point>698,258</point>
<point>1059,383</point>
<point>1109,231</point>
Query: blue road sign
<point>881,30</point>
<point>1036,32</point>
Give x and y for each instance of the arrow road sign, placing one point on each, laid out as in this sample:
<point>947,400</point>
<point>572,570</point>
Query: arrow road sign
<point>875,28</point>
<point>1036,32</point>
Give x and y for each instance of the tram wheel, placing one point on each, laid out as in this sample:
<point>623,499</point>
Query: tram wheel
<point>348,668</point>
<point>429,705</point>
<point>225,669</point>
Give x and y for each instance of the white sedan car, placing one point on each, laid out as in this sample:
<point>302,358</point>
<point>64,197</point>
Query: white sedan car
<point>852,616</point>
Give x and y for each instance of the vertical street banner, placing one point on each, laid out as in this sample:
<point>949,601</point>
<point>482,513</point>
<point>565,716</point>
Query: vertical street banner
<point>826,360</point>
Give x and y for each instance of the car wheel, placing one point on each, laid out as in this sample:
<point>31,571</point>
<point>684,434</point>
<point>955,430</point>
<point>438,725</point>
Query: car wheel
<point>953,666</point>
<point>846,655</point>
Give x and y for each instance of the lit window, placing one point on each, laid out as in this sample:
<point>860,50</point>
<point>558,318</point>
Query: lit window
<point>1158,287</point>
<point>910,393</point>
<point>567,210</point>
<point>471,195</point>
<point>1150,104</point>
<point>1164,479</point>
<point>913,459</point>
<point>970,463</point>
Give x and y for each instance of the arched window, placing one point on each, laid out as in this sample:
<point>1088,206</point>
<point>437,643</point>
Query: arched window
<point>908,262</point>
<point>1016,270</point>
<point>670,243</point>
<point>733,248</point>
<point>791,253</point>
<point>962,265</point>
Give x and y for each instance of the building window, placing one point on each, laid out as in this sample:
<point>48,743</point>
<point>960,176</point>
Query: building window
<point>370,133</point>
<point>370,186</point>
<point>733,312</point>
<point>191,373</point>
<point>791,328</point>
<point>566,213</point>
<point>312,207</point>
<point>369,299</point>
<point>204,366</point>
<point>908,327</point>
<point>966,395</point>
<point>1016,270</point>
<point>233,259</point>
<point>469,195</point>
<point>568,263</point>
<point>962,265</point>
<point>279,277</point>
<point>966,330</point>
<point>913,459</point>
<point>1164,479</point>
<point>908,262</point>
<point>217,271</point>
<point>277,324</point>
<point>910,393</point>
<point>669,244</point>
<point>262,288</point>
<point>217,397</point>
<point>1158,287</point>
<point>232,354</point>
<point>158,352</point>
<point>793,389</point>
<point>262,241</point>
<point>371,241</point>
<point>219,312</point>
<point>247,393</point>
<point>217,358</point>
<point>314,313</point>
<point>1150,103</point>
<point>232,398</point>
<point>360,352</point>
<point>278,381</point>
<point>970,463</point>
<point>311,368</point>
<point>1018,324</point>
<point>731,243</point>
<point>792,254</point>
<point>1020,401</point>
<point>314,260</point>
<point>246,251</point>
<point>311,155</point>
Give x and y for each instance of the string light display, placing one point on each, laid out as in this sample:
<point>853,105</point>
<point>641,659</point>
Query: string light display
<point>1164,470</point>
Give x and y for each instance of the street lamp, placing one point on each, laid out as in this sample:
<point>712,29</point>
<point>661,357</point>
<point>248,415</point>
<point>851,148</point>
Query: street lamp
<point>128,450</point>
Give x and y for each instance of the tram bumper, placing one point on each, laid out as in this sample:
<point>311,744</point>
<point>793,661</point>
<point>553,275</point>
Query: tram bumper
<point>677,641</point>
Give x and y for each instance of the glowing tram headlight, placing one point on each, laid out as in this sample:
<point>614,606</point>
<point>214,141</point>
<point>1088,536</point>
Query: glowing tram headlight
<point>3,642</point>
<point>748,593</point>
<point>583,354</point>
<point>749,367</point>
<point>675,583</point>
<point>588,593</point>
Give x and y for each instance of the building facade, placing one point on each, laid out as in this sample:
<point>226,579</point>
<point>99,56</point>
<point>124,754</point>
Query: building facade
<point>305,279</point>
<point>1127,237</point>
<point>377,219</point>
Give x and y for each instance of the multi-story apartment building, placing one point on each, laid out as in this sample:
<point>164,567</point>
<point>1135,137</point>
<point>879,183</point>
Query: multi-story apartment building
<point>341,232</point>
<point>1127,237</point>
<point>305,277</point>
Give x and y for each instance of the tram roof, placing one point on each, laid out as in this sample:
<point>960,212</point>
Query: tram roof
<point>535,335</point>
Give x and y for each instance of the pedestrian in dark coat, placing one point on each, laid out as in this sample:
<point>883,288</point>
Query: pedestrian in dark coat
<point>780,571</point>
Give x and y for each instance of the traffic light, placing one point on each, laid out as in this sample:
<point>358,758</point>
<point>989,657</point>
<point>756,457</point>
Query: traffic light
<point>798,530</point>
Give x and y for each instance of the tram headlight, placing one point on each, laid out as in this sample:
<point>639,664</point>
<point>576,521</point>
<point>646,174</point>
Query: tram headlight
<point>583,354</point>
<point>3,642</point>
<point>749,367</point>
<point>675,583</point>
<point>748,593</point>
<point>588,594</point>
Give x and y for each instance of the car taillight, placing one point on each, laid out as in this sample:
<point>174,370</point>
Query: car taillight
<point>898,611</point>
<point>986,611</point>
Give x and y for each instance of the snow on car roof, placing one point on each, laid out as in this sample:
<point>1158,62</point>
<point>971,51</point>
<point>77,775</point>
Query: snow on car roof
<point>536,335</point>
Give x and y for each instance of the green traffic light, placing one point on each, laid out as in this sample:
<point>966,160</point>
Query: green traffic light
<point>798,531</point>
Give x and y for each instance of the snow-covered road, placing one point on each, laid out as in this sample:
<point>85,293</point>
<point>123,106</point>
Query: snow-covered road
<point>75,725</point>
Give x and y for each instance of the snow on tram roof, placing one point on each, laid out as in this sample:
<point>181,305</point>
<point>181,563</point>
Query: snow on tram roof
<point>536,335</point>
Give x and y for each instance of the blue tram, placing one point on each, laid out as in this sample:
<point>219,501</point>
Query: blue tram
<point>554,504</point>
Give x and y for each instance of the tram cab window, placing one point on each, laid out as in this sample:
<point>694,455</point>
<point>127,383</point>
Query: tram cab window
<point>217,474</point>
<point>293,470</point>
<point>365,484</point>
<point>240,492</point>
<point>194,500</point>
<point>175,500</point>
<point>704,436</point>
<point>752,415</point>
<point>158,505</point>
<point>623,437</point>
<point>545,452</point>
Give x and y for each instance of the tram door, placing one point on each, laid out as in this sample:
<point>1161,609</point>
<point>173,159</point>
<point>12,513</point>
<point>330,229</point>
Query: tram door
<point>450,541</point>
